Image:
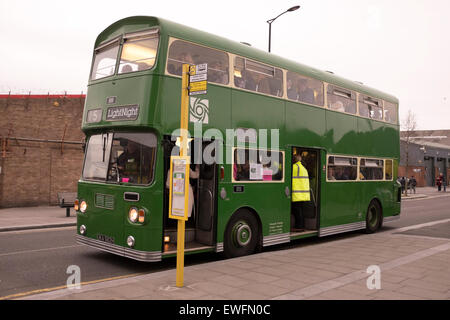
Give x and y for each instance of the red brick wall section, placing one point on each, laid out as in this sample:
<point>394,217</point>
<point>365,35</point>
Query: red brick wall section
<point>413,171</point>
<point>32,173</point>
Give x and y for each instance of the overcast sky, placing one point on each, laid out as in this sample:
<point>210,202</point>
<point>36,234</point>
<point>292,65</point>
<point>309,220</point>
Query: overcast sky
<point>401,47</point>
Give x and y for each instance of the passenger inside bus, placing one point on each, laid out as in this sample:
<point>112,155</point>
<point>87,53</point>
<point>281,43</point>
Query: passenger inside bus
<point>126,68</point>
<point>263,85</point>
<point>143,66</point>
<point>176,66</point>
<point>242,171</point>
<point>216,73</point>
<point>306,93</point>
<point>249,81</point>
<point>276,87</point>
<point>291,91</point>
<point>331,173</point>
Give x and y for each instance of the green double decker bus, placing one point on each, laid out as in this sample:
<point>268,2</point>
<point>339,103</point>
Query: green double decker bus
<point>258,112</point>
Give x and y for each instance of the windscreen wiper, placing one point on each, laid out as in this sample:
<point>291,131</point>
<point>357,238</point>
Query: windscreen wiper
<point>104,148</point>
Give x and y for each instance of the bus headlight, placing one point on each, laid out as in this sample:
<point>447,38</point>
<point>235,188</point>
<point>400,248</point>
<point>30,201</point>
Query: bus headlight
<point>83,230</point>
<point>130,241</point>
<point>133,215</point>
<point>76,204</point>
<point>83,206</point>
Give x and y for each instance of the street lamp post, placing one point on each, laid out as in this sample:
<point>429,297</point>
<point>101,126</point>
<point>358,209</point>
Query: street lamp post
<point>272,20</point>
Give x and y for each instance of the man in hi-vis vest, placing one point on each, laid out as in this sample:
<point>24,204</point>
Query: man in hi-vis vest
<point>300,190</point>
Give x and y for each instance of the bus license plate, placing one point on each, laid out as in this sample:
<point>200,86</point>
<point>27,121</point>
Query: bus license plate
<point>104,238</point>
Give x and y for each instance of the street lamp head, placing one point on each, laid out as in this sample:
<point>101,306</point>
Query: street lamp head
<point>293,8</point>
<point>272,20</point>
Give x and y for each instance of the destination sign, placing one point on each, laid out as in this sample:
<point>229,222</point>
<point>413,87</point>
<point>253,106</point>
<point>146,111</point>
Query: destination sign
<point>120,113</point>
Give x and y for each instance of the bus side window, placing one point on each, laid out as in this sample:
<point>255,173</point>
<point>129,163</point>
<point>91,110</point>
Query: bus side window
<point>371,169</point>
<point>370,108</point>
<point>341,168</point>
<point>255,76</point>
<point>257,165</point>
<point>304,89</point>
<point>341,99</point>
<point>390,112</point>
<point>182,52</point>
<point>388,170</point>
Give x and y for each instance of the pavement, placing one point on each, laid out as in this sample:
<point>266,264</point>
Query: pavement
<point>424,192</point>
<point>13,219</point>
<point>410,263</point>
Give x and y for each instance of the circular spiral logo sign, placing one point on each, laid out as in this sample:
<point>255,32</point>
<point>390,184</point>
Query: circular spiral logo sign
<point>199,110</point>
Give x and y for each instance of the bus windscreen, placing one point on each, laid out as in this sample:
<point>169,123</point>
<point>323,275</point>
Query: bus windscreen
<point>120,158</point>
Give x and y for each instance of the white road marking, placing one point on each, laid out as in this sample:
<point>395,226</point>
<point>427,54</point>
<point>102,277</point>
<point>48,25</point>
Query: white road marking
<point>418,226</point>
<point>38,250</point>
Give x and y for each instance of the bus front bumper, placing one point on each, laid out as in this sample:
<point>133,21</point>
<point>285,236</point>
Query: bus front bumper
<point>145,256</point>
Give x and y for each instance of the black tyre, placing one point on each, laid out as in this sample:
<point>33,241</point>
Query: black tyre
<point>241,234</point>
<point>373,217</point>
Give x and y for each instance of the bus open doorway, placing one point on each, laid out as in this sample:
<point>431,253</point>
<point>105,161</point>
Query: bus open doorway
<point>201,226</point>
<point>310,211</point>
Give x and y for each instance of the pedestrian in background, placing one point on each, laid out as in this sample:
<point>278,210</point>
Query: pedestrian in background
<point>403,182</point>
<point>439,182</point>
<point>413,183</point>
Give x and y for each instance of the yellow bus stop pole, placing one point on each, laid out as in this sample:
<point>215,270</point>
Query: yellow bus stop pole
<point>183,152</point>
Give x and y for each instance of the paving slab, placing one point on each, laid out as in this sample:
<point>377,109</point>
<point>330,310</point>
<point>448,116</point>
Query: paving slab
<point>13,219</point>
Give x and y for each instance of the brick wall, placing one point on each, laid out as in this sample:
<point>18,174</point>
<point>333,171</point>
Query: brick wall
<point>33,166</point>
<point>417,171</point>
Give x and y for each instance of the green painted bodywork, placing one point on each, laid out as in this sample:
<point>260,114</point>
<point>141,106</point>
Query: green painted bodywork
<point>158,96</point>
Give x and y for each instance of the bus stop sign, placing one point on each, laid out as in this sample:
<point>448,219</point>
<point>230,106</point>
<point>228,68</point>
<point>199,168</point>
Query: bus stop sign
<point>179,187</point>
<point>198,78</point>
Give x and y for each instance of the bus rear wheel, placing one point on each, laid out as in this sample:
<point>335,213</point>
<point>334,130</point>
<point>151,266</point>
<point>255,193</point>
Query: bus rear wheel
<point>373,217</point>
<point>241,235</point>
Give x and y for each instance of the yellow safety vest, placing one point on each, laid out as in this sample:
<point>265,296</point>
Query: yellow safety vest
<point>300,183</point>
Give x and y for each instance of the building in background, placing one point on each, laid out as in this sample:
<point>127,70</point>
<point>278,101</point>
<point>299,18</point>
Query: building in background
<point>41,148</point>
<point>428,156</point>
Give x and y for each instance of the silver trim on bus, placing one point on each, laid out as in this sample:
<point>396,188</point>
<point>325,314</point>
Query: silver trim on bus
<point>342,228</point>
<point>219,247</point>
<point>145,256</point>
<point>142,33</point>
<point>276,239</point>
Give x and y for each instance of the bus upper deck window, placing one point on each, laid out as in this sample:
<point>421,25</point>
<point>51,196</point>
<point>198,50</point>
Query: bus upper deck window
<point>105,60</point>
<point>255,76</point>
<point>138,53</point>
<point>341,99</point>
<point>182,52</point>
<point>304,89</point>
<point>370,108</point>
<point>390,112</point>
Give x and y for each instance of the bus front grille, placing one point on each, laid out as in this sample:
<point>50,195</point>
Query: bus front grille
<point>104,201</point>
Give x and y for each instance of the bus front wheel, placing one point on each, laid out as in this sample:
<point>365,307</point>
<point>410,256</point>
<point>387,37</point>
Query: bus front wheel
<point>241,234</point>
<point>373,217</point>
